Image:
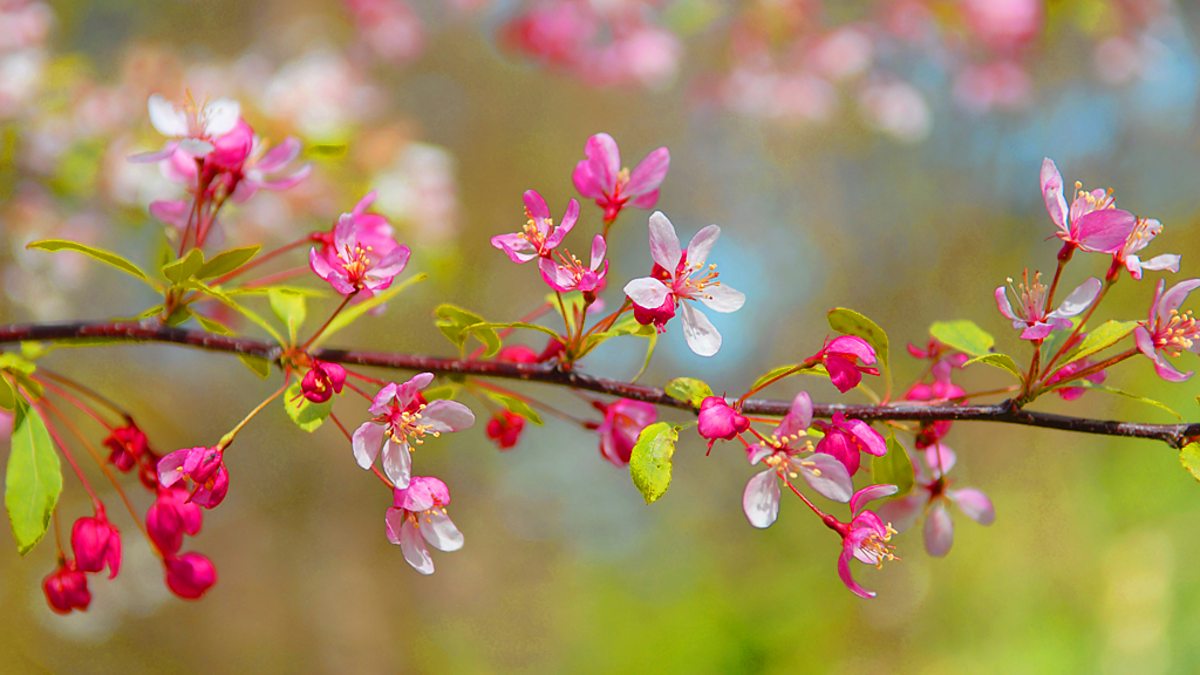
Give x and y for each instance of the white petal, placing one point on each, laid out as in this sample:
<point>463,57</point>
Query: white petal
<point>440,532</point>
<point>975,504</point>
<point>1079,299</point>
<point>828,476</point>
<point>414,550</point>
<point>939,530</point>
<point>702,337</point>
<point>397,462</point>
<point>722,298</point>
<point>446,416</point>
<point>700,245</point>
<point>760,500</point>
<point>366,442</point>
<point>664,243</point>
<point>220,117</point>
<point>195,147</point>
<point>166,118</point>
<point>647,292</point>
<point>394,524</point>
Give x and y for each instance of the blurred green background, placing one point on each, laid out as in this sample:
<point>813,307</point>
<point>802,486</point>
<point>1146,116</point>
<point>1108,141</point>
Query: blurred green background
<point>565,569</point>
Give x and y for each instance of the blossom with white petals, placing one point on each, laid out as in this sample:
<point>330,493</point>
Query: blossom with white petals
<point>190,129</point>
<point>1030,315</point>
<point>418,515</point>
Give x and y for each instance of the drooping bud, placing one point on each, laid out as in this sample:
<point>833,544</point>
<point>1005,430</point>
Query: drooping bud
<point>190,575</point>
<point>96,544</point>
<point>718,420</point>
<point>66,589</point>
<point>505,429</point>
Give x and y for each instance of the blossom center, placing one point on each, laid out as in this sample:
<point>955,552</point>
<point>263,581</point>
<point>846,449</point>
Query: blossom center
<point>1031,297</point>
<point>1180,332</point>
<point>876,549</point>
<point>688,286</point>
<point>355,261</point>
<point>407,425</point>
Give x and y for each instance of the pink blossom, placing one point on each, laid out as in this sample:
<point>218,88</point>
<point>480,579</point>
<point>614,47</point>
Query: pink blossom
<point>359,259</point>
<point>517,354</point>
<point>403,419</point>
<point>568,273</point>
<point>1068,371</point>
<point>932,495</point>
<point>841,357</point>
<point>718,420</point>
<point>171,516</point>
<point>1092,223</point>
<point>1030,315</point>
<point>942,389</point>
<point>192,130</point>
<point>96,544</point>
<point>539,236</point>
<point>845,438</point>
<point>190,575</point>
<point>672,282</point>
<point>784,461</point>
<point>865,537</point>
<point>66,589</point>
<point>127,444</point>
<point>203,467</point>
<point>1168,332</point>
<point>624,420</point>
<point>602,178</point>
<point>270,169</point>
<point>1143,233</point>
<point>419,512</point>
<point>504,428</point>
<point>322,381</point>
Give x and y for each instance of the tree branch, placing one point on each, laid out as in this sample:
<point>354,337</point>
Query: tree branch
<point>1006,412</point>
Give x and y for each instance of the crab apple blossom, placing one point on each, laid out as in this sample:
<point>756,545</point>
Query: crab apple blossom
<point>785,461</point>
<point>1030,316</point>
<point>674,283</point>
<point>932,495</point>
<point>1140,237</point>
<point>322,381</point>
<point>1091,223</point>
<point>418,515</point>
<point>539,236</point>
<point>845,440</point>
<point>96,544</point>
<point>127,445</point>
<point>190,129</point>
<point>624,420</point>
<point>170,517</point>
<point>190,575</point>
<point>239,165</point>
<point>842,357</point>
<point>517,354</point>
<point>1068,371</point>
<point>361,255</point>
<point>940,389</point>
<point>568,273</point>
<point>505,428</point>
<point>1168,332</point>
<point>203,467</point>
<point>865,538</point>
<point>718,420</point>
<point>601,177</point>
<point>66,589</point>
<point>403,419</point>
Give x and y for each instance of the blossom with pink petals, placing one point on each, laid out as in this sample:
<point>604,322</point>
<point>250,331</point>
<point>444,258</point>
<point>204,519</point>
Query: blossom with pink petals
<point>785,461</point>
<point>1143,233</point>
<point>601,177</point>
<point>359,259</point>
<point>203,467</point>
<point>865,537</point>
<point>322,381</point>
<point>717,419</point>
<point>403,419</point>
<point>623,422</point>
<point>96,544</point>
<point>192,130</point>
<point>841,357</point>
<point>1068,371</point>
<point>1092,223</point>
<point>171,516</point>
<point>932,496</point>
<point>1030,315</point>
<point>418,515</point>
<point>505,429</point>
<point>190,575</point>
<point>1168,332</point>
<point>127,445</point>
<point>568,273</point>
<point>539,236</point>
<point>940,390</point>
<point>66,589</point>
<point>845,440</point>
<point>672,282</point>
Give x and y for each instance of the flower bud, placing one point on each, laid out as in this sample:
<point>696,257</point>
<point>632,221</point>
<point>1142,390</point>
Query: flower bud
<point>66,589</point>
<point>190,575</point>
<point>96,544</point>
<point>505,428</point>
<point>322,381</point>
<point>718,420</point>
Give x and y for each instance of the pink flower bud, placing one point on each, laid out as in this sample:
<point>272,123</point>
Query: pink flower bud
<point>505,429</point>
<point>231,150</point>
<point>719,420</point>
<point>96,544</point>
<point>190,575</point>
<point>322,381</point>
<point>128,444</point>
<point>518,354</point>
<point>66,589</point>
<point>624,420</point>
<point>170,517</point>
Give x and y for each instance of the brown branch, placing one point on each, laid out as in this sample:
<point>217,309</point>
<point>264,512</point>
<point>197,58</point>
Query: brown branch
<point>1006,412</point>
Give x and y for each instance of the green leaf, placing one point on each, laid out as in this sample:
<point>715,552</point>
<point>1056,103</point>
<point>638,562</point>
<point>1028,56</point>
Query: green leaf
<point>33,480</point>
<point>1120,392</point>
<point>8,397</point>
<point>1189,457</point>
<point>516,406</point>
<point>771,374</point>
<point>689,390</point>
<point>627,326</point>
<point>21,371</point>
<point>1104,336</point>
<point>307,415</point>
<point>964,336</point>
<point>290,308</point>
<point>894,468</point>
<point>227,261</point>
<point>459,324</point>
<point>239,308</point>
<point>1001,361</point>
<point>650,462</point>
<point>353,312</point>
<point>850,322</point>
<point>185,268</point>
<point>16,364</point>
<point>513,324</point>
<point>104,256</point>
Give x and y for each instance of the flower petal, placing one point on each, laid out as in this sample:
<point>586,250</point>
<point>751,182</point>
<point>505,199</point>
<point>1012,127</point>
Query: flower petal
<point>1103,231</point>
<point>366,442</point>
<point>702,337</point>
<point>1003,304</point>
<point>393,522</point>
<point>446,416</point>
<point>664,243</point>
<point>869,494</point>
<point>605,160</point>
<point>166,118</point>
<point>938,530</point>
<point>647,292</point>
<point>798,418</point>
<point>827,475</point>
<point>760,499</point>
<point>701,245</point>
<point>440,532</point>
<point>1052,193</point>
<point>648,174</point>
<point>221,116</point>
<point>722,298</point>
<point>848,578</point>
<point>974,504</point>
<point>397,461</point>
<point>414,550</point>
<point>1079,299</point>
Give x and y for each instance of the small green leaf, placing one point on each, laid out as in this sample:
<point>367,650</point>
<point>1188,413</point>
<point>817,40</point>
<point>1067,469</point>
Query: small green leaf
<point>227,261</point>
<point>964,336</point>
<point>1104,336</point>
<point>650,462</point>
<point>1001,361</point>
<point>185,268</point>
<point>627,326</point>
<point>239,308</point>
<point>290,308</point>
<point>771,374</point>
<point>516,406</point>
<point>1120,392</point>
<point>459,324</point>
<point>1189,457</point>
<point>179,315</point>
<point>104,256</point>
<point>307,415</point>
<point>33,480</point>
<point>689,390</point>
<point>850,322</point>
<point>512,324</point>
<point>355,311</point>
<point>17,364</point>
<point>8,397</point>
<point>894,468</point>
